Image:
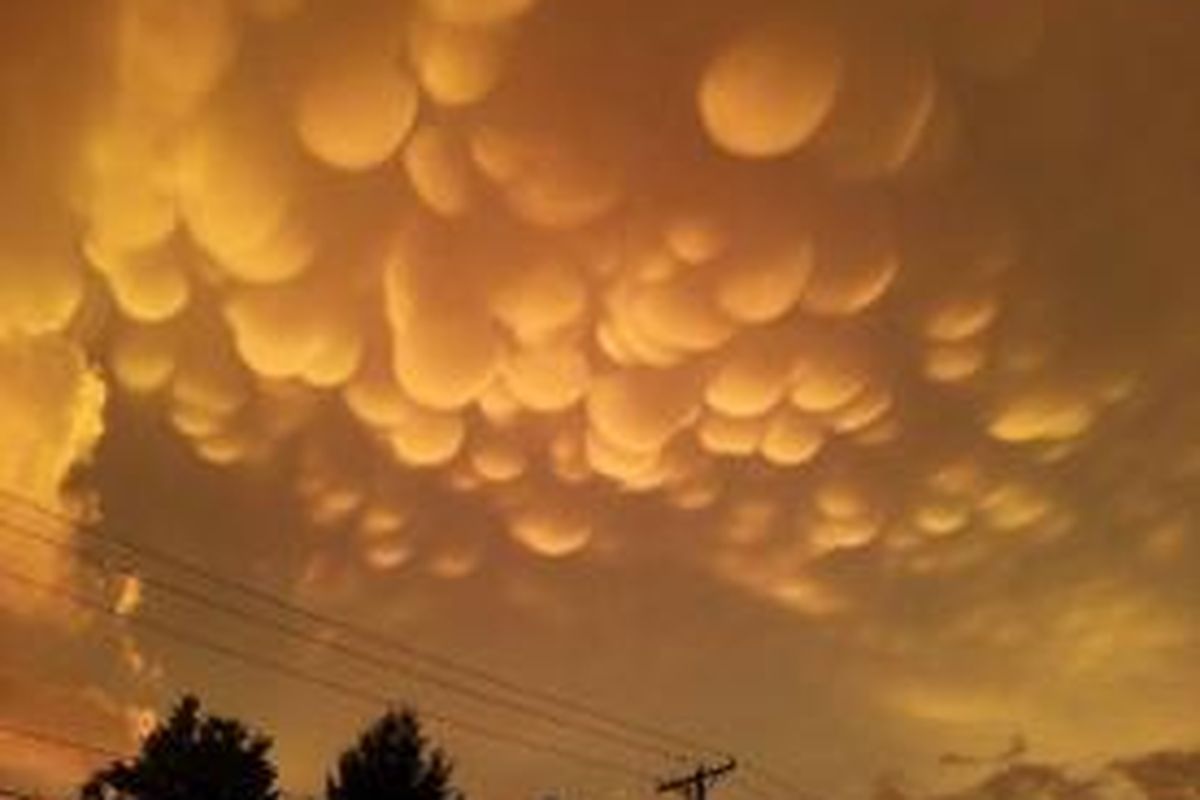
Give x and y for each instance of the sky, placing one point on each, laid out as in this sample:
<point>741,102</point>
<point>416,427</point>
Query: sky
<point>815,380</point>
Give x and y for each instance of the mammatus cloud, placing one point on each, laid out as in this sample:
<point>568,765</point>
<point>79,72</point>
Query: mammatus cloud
<point>765,270</point>
<point>772,271</point>
<point>844,303</point>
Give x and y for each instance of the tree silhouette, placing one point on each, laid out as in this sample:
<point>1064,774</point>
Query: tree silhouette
<point>192,757</point>
<point>392,761</point>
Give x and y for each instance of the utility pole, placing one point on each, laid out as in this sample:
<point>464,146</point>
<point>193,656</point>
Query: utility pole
<point>695,785</point>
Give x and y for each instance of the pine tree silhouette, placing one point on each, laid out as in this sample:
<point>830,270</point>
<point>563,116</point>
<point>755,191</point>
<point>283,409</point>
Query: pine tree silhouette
<point>192,757</point>
<point>392,761</point>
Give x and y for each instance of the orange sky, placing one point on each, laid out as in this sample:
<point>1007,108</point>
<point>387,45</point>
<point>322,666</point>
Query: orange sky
<point>816,377</point>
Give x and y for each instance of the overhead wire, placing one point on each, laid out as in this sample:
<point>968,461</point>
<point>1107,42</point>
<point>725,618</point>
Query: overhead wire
<point>57,740</point>
<point>417,654</point>
<point>77,745</point>
<point>368,696</point>
<point>643,731</point>
<point>362,656</point>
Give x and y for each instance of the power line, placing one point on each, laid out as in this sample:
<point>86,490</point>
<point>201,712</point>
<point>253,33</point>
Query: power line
<point>108,753</point>
<point>362,656</point>
<point>695,785</point>
<point>421,655</point>
<point>415,653</point>
<point>358,693</point>
<point>56,740</point>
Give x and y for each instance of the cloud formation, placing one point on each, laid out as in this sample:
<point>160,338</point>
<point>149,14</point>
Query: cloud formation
<point>841,303</point>
<point>553,260</point>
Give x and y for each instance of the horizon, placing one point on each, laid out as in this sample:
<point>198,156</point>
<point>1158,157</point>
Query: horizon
<point>623,385</point>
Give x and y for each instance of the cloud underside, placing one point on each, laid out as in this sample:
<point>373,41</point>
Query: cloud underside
<point>882,318</point>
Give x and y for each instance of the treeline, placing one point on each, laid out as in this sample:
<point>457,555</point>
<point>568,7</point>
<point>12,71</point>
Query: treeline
<point>193,755</point>
<point>197,756</point>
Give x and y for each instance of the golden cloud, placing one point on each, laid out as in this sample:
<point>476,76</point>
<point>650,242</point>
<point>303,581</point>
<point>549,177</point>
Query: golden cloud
<point>557,258</point>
